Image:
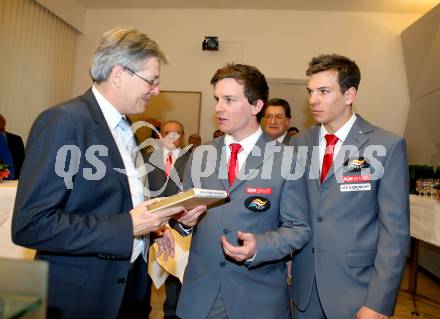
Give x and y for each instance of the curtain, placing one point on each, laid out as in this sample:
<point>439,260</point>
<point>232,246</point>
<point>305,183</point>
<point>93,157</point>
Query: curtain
<point>37,52</point>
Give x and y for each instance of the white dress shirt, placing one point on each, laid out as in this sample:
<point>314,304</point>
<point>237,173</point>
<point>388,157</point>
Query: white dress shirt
<point>341,134</point>
<point>174,154</point>
<point>247,144</point>
<point>113,117</point>
<point>281,138</point>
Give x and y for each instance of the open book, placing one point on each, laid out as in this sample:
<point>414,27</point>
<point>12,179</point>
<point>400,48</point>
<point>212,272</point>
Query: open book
<point>189,199</point>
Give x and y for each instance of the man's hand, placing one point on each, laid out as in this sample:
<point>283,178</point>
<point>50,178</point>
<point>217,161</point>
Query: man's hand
<point>240,253</point>
<point>368,313</point>
<point>191,217</point>
<point>165,241</point>
<point>145,222</point>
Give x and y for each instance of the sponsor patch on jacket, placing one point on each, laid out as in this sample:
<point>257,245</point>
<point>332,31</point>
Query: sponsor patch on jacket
<point>257,204</point>
<point>259,190</point>
<point>356,178</point>
<point>355,187</point>
<point>355,165</point>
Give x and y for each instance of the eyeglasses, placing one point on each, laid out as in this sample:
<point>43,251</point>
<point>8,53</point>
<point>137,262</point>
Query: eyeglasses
<point>152,83</point>
<point>277,117</point>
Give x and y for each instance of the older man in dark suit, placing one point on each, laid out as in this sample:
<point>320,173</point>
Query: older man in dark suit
<point>277,116</point>
<point>165,179</point>
<point>80,201</point>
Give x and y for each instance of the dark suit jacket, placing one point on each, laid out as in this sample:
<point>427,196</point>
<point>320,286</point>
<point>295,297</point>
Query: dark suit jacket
<point>287,140</point>
<point>158,183</point>
<point>360,224</point>
<point>16,147</point>
<point>85,233</point>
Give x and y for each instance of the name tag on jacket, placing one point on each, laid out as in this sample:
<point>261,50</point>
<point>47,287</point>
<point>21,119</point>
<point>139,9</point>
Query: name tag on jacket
<point>355,187</point>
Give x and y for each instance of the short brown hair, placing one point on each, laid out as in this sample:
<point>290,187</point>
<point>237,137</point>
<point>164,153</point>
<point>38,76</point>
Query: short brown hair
<point>254,82</point>
<point>349,74</point>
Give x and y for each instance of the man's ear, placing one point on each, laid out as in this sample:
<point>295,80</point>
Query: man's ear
<point>117,76</point>
<point>257,107</point>
<point>350,95</point>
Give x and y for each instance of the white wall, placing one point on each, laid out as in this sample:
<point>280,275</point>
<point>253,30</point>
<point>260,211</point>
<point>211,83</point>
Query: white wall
<point>421,46</point>
<point>279,43</point>
<point>68,10</point>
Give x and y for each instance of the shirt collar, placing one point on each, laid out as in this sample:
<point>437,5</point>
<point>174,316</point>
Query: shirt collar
<point>111,114</point>
<point>248,143</point>
<point>175,152</point>
<point>281,138</point>
<point>342,133</point>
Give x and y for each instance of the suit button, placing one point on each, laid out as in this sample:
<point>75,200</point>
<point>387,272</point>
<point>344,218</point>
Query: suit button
<point>121,280</point>
<point>320,219</point>
<point>313,250</point>
<point>226,231</point>
<point>222,263</point>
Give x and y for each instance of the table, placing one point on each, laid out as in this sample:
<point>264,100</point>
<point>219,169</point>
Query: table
<point>424,226</point>
<point>425,219</point>
<point>8,249</point>
<point>17,306</point>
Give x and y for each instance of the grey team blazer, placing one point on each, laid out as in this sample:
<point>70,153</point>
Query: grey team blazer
<point>272,208</point>
<point>360,224</point>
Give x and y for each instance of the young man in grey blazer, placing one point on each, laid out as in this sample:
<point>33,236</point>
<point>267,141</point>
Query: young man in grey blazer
<point>236,268</point>
<point>358,196</point>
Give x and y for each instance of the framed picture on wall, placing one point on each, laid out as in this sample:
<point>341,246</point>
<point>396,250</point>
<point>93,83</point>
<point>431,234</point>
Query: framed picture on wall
<point>183,106</point>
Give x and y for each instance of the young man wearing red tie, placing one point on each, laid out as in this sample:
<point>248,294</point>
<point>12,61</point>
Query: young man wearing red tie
<point>358,198</point>
<point>236,267</point>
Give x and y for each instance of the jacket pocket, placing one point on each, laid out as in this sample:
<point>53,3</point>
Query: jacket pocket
<point>68,274</point>
<point>362,258</point>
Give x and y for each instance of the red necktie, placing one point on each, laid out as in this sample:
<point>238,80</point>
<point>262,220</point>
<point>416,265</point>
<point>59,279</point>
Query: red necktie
<point>169,164</point>
<point>232,169</point>
<point>328,154</point>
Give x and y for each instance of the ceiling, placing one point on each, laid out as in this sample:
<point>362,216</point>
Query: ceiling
<point>389,6</point>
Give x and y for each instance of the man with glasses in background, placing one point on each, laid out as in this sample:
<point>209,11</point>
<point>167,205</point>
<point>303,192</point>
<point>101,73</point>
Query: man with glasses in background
<point>80,202</point>
<point>276,120</point>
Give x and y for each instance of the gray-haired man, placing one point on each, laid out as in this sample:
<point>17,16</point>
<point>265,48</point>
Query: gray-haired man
<point>80,201</point>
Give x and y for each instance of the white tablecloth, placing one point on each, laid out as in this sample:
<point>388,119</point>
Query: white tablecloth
<point>425,219</point>
<point>8,249</point>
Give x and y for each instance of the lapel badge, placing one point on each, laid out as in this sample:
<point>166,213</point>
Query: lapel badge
<point>257,204</point>
<point>355,165</point>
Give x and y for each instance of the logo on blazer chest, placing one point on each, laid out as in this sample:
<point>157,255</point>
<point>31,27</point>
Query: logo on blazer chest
<point>257,203</point>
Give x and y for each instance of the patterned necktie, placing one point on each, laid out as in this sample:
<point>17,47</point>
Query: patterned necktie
<point>169,163</point>
<point>331,140</point>
<point>140,244</point>
<point>6,156</point>
<point>127,138</point>
<point>232,168</point>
